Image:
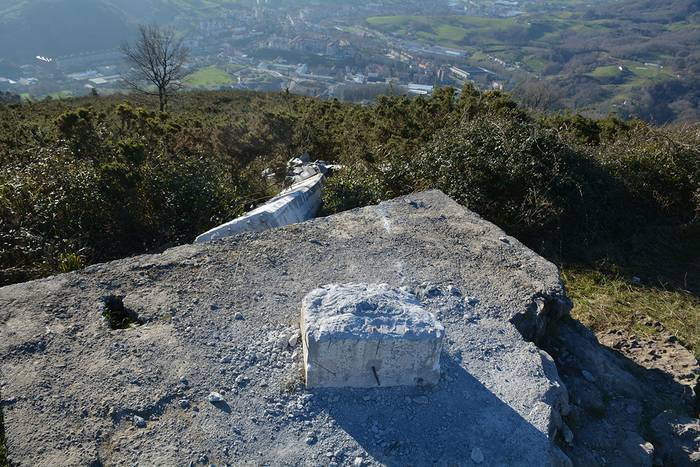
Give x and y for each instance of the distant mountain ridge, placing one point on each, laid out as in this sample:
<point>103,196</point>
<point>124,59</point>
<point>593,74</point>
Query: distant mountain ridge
<point>60,27</point>
<point>73,26</point>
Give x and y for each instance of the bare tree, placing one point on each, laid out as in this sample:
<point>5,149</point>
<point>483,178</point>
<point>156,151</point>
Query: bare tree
<point>157,60</point>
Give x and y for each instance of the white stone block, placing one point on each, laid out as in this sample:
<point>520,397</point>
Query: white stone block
<point>297,203</point>
<point>360,335</point>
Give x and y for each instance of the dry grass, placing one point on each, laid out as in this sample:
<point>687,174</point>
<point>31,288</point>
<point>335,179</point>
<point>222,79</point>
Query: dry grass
<point>605,301</point>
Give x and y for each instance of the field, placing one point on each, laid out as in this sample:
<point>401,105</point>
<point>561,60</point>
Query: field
<point>209,78</point>
<point>443,30</point>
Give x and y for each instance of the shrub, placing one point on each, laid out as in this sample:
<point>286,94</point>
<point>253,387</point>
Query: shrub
<point>353,187</point>
<point>512,172</point>
<point>659,167</point>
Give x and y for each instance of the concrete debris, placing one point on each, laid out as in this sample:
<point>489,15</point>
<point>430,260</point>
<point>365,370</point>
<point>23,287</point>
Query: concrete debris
<point>359,335</point>
<point>295,204</point>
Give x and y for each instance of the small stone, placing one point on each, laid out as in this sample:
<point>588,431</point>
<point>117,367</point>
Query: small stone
<point>238,316</point>
<point>588,376</point>
<point>477,456</point>
<point>454,291</point>
<point>471,301</point>
<point>358,461</point>
<point>568,435</point>
<point>427,290</point>
<point>139,422</point>
<point>215,397</point>
<point>184,403</point>
<point>225,360</point>
<point>294,340</point>
<point>310,439</point>
<point>506,241</point>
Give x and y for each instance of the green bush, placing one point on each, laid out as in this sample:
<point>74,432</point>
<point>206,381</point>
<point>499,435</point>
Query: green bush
<point>510,171</point>
<point>87,180</point>
<point>660,168</point>
<point>352,188</point>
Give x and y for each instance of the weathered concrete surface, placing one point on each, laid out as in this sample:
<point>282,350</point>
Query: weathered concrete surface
<point>368,335</point>
<point>222,318</point>
<point>297,203</point>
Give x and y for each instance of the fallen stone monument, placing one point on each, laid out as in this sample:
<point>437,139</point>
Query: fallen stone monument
<point>298,203</point>
<point>202,364</point>
<point>365,336</point>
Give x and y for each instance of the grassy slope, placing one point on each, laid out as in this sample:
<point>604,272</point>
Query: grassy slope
<point>210,77</point>
<point>605,301</point>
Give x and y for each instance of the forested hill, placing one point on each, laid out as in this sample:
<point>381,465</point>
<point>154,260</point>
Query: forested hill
<point>51,28</point>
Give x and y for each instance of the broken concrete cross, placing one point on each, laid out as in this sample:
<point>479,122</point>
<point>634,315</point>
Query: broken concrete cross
<point>359,335</point>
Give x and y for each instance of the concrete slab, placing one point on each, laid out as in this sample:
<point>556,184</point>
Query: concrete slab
<point>221,317</point>
<point>369,335</point>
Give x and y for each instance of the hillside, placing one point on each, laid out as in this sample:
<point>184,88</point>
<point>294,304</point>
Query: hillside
<point>67,27</point>
<point>88,180</point>
<point>635,58</point>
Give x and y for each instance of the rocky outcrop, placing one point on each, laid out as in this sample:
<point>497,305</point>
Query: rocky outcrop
<point>192,356</point>
<point>621,413</point>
